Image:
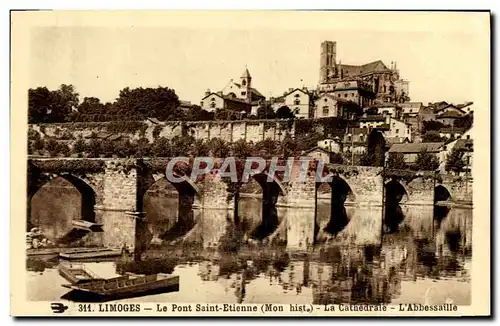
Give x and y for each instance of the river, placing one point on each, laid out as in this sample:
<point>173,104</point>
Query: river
<point>425,261</point>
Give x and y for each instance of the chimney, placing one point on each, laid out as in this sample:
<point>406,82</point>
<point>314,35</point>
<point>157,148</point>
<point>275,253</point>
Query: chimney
<point>219,93</point>
<point>207,92</point>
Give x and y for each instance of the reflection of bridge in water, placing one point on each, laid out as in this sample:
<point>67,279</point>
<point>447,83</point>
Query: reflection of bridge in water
<point>362,204</point>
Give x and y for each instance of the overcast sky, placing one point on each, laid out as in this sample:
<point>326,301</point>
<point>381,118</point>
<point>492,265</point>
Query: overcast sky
<point>443,55</point>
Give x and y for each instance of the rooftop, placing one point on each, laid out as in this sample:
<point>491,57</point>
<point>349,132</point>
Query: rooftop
<point>414,148</point>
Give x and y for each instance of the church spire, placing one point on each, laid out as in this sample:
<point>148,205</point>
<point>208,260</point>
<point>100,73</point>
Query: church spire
<point>246,73</point>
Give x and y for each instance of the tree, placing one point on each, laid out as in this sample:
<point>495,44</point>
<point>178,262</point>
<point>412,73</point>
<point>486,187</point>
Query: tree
<point>265,112</point>
<point>454,161</point>
<point>51,106</point>
<point>464,122</point>
<point>288,146</point>
<point>284,112</point>
<point>181,145</point>
<point>376,148</point>
<point>52,147</point>
<point>396,161</point>
<point>308,140</point>
<point>426,161</point>
<point>367,159</point>
<point>336,158</point>
<point>432,125</point>
<point>161,147</point>
<point>200,148</point>
<point>196,113</point>
<point>93,148</point>
<point>143,147</point>
<point>141,103</point>
<point>432,137</point>
<point>218,147</point>
<point>268,146</point>
<point>78,146</point>
<point>242,149</point>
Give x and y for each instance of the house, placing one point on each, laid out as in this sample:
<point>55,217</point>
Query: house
<point>389,109</point>
<point>389,141</point>
<point>448,118</point>
<point>319,153</point>
<point>451,133</point>
<point>426,113</point>
<point>237,93</point>
<point>411,108</point>
<point>373,121</point>
<point>331,144</point>
<point>328,105</point>
<point>410,150</point>
<point>299,100</point>
<point>217,101</point>
<point>464,141</point>
<point>398,128</point>
<point>355,140</point>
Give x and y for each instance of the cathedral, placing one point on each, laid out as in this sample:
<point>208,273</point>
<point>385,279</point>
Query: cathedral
<point>366,84</point>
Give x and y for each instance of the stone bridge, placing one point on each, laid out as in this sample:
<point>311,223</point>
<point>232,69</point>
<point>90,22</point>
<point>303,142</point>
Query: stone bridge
<point>113,192</point>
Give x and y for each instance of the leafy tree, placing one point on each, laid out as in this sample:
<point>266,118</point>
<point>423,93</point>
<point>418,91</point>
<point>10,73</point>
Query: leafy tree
<point>432,125</point>
<point>288,146</point>
<point>396,161</point>
<point>284,112</point>
<point>196,113</point>
<point>201,148</point>
<point>367,159</point>
<point>79,146</point>
<point>454,161</point>
<point>93,148</point>
<point>161,147</point>
<point>141,103</point>
<point>242,149</point>
<point>465,122</point>
<point>64,149</point>
<point>336,158</point>
<point>52,147</point>
<point>267,146</point>
<point>265,112</point>
<point>143,147</point>
<point>218,147</point>
<point>308,140</point>
<point>426,161</point>
<point>182,145</point>
<point>376,148</point>
<point>432,137</point>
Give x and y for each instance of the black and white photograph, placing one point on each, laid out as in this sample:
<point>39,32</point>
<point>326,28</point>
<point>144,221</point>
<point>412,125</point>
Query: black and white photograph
<point>251,163</point>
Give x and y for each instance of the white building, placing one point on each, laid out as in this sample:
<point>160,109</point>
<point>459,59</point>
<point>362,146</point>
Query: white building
<point>299,102</point>
<point>330,106</point>
<point>330,144</point>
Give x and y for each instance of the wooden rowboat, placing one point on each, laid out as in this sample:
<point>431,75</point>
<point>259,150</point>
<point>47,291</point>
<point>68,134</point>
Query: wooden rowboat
<point>76,273</point>
<point>91,253</point>
<point>126,286</point>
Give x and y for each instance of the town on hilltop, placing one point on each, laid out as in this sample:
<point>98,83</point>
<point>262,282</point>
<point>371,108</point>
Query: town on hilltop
<point>354,111</point>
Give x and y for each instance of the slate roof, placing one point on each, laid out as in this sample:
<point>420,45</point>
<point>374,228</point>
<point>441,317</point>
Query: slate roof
<point>461,144</point>
<point>450,114</point>
<point>372,118</point>
<point>413,148</point>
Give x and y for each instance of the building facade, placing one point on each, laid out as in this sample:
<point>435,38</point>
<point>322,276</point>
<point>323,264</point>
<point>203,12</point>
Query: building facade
<point>384,83</point>
<point>299,100</point>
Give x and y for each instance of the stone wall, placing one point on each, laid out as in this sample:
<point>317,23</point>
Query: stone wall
<point>459,188</point>
<point>230,131</point>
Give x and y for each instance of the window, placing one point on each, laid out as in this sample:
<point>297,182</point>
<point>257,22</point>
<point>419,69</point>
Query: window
<point>397,131</point>
<point>361,137</point>
<point>352,94</point>
<point>244,82</point>
<point>243,93</point>
<point>201,103</point>
<point>213,98</point>
<point>297,95</point>
<point>212,105</point>
<point>326,100</point>
<point>349,138</point>
<point>296,102</point>
<point>468,136</point>
<point>326,111</point>
<point>296,111</point>
<point>345,95</point>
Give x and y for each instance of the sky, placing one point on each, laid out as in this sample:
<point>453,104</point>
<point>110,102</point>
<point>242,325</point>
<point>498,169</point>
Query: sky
<point>445,56</point>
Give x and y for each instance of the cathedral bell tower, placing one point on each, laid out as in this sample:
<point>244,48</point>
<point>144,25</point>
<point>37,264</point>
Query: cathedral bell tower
<point>328,65</point>
<point>246,84</point>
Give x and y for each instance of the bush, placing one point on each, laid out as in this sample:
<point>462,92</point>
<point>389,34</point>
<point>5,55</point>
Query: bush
<point>79,146</point>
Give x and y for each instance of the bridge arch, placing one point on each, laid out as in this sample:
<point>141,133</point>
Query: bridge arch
<point>441,193</point>
<point>60,230</point>
<point>271,188</point>
<point>339,192</point>
<point>396,191</point>
<point>159,198</point>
